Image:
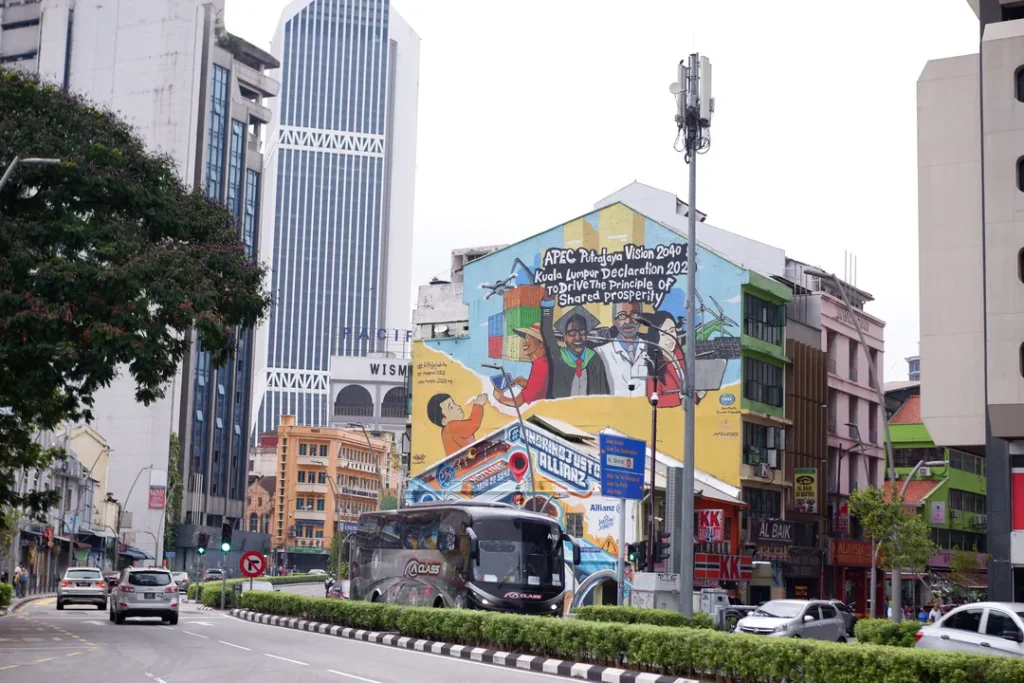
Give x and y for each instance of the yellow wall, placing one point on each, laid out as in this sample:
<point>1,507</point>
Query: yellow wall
<point>718,435</point>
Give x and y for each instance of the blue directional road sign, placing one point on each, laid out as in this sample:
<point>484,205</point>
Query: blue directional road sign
<point>622,467</point>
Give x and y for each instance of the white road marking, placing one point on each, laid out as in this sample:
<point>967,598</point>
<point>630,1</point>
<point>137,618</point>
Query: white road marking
<point>167,627</point>
<point>358,678</point>
<point>96,623</point>
<point>158,680</point>
<point>224,642</point>
<point>201,623</point>
<point>285,659</point>
<point>194,634</point>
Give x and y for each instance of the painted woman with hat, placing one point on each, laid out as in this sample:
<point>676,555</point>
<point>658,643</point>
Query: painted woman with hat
<point>535,387</point>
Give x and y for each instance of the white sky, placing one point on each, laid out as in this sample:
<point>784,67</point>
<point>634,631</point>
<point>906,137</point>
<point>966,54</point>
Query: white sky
<point>531,111</point>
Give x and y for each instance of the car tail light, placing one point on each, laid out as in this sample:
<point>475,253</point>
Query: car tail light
<point>125,588</point>
<point>65,584</point>
<point>173,588</point>
<point>101,584</point>
<point>918,635</point>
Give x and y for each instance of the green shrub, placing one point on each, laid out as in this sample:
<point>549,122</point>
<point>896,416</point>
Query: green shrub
<point>667,650</point>
<point>6,594</point>
<point>639,615</point>
<point>193,587</point>
<point>886,632</point>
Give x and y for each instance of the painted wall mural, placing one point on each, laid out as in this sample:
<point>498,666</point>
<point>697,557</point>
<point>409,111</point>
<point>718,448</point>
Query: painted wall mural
<point>585,323</point>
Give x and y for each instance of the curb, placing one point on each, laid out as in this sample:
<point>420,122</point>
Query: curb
<point>14,607</point>
<point>545,665</point>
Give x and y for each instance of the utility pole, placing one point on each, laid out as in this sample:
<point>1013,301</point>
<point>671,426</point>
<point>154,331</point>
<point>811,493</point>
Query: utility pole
<point>693,119</point>
<point>652,527</point>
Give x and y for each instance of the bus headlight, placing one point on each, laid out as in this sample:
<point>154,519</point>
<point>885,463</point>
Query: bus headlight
<point>484,601</point>
<point>554,606</point>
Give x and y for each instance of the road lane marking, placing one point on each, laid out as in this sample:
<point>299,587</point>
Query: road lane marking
<point>285,659</point>
<point>45,659</point>
<point>224,642</point>
<point>158,680</point>
<point>358,678</point>
<point>72,654</point>
<point>168,628</point>
<point>11,666</point>
<point>193,634</point>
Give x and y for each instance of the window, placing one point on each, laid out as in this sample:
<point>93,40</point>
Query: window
<point>763,320</point>
<point>854,479</point>
<point>812,612</point>
<point>1000,623</point>
<point>1018,78</point>
<point>393,404</point>
<point>973,503</point>
<point>215,134</point>
<point>299,503</point>
<point>301,477</point>
<point>302,449</point>
<point>321,478</point>
<point>909,457</point>
<point>157,578</point>
<point>253,522</point>
<point>320,504</point>
<point>764,504</point>
<point>964,620</point>
<point>252,210</point>
<point>762,382</point>
<point>755,443</point>
<point>828,612</point>
<point>235,168</point>
<point>323,451</point>
<point>574,524</point>
<point>354,400</point>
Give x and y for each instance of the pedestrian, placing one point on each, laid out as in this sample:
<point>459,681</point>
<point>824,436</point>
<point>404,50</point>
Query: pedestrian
<point>934,614</point>
<point>18,573</point>
<point>922,615</point>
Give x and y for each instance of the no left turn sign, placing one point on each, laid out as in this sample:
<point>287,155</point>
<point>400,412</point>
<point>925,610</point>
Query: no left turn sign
<point>252,564</point>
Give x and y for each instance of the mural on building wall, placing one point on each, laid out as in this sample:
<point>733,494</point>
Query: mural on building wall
<point>564,483</point>
<point>585,323</point>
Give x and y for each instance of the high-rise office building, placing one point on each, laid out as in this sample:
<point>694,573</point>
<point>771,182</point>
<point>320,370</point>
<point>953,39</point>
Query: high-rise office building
<point>970,130</point>
<point>340,172</point>
<point>192,91</point>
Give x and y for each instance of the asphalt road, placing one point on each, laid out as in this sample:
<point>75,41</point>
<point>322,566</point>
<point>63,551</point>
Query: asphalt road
<point>38,644</point>
<point>313,590</point>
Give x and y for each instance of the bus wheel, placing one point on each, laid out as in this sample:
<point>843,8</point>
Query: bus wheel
<point>438,602</point>
<point>375,597</point>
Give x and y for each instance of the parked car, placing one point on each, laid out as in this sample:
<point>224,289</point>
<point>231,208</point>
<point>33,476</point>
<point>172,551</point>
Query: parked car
<point>317,572</point>
<point>213,574</point>
<point>848,615</point>
<point>82,586</point>
<point>145,592</point>
<point>258,585</point>
<point>981,628</point>
<point>815,619</point>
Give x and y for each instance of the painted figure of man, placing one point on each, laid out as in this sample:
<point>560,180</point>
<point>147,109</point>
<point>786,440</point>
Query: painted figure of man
<point>576,369</point>
<point>457,431</point>
<point>625,356</point>
<point>535,387</point>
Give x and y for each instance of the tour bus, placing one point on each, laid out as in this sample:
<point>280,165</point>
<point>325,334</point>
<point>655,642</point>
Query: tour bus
<point>477,555</point>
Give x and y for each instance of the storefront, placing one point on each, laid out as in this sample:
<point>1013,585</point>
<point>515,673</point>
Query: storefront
<point>803,573</point>
<point>851,573</point>
<point>773,540</point>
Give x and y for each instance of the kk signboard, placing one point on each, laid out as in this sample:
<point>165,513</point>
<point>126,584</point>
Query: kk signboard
<point>710,526</point>
<point>805,490</point>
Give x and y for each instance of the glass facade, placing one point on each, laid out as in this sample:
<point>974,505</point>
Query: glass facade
<point>250,222</point>
<point>331,218</point>
<point>235,168</point>
<point>215,132</point>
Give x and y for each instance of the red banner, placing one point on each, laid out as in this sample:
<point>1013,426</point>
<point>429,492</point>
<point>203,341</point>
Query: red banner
<point>708,567</point>
<point>157,497</point>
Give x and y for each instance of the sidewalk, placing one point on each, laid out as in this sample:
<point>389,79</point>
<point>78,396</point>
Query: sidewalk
<point>18,602</point>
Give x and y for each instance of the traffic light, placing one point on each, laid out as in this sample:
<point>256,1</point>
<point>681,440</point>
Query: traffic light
<point>225,537</point>
<point>201,546</point>
<point>661,547</point>
<point>636,554</point>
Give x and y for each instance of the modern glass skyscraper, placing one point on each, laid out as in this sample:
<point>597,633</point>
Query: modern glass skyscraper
<point>339,176</point>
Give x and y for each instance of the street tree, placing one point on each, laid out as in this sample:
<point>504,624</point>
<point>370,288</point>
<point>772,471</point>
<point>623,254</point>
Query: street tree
<point>108,262</point>
<point>904,537</point>
<point>963,567</point>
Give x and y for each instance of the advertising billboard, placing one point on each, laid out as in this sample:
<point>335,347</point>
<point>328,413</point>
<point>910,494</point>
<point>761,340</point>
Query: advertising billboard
<point>585,323</point>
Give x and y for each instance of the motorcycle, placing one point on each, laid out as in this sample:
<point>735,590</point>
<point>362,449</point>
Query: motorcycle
<point>328,582</point>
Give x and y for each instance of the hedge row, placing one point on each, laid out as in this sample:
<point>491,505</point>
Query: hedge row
<point>886,632</point>
<point>639,615</point>
<point>275,580</point>
<point>6,594</point>
<point>664,650</point>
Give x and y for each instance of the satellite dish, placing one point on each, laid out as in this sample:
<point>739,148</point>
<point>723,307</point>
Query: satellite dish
<point>675,88</point>
<point>441,329</point>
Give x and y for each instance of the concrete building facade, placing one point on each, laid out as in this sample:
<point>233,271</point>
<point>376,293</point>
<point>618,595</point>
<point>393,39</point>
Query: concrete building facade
<point>341,164</point>
<point>970,194</point>
<point>198,94</point>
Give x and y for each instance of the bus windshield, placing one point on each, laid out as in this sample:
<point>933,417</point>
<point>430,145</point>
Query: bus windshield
<point>519,553</point>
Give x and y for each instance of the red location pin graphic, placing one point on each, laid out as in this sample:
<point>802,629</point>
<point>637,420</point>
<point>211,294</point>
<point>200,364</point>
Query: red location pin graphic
<point>518,463</point>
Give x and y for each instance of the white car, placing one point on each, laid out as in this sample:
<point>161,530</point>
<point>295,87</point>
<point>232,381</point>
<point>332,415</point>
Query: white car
<point>815,619</point>
<point>980,628</point>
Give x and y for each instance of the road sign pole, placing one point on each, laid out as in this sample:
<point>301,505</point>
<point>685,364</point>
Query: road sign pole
<point>620,575</point>
<point>224,581</point>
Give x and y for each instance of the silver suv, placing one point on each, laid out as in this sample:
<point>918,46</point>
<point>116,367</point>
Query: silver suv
<point>145,592</point>
<point>82,585</point>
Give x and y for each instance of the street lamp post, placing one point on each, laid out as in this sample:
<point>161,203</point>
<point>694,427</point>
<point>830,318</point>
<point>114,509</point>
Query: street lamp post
<point>120,511</point>
<point>18,161</point>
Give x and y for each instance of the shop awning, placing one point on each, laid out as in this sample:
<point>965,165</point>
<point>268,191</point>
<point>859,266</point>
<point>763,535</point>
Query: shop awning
<point>135,553</point>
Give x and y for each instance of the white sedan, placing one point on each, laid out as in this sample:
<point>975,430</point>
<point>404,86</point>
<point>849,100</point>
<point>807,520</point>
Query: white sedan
<point>980,628</point>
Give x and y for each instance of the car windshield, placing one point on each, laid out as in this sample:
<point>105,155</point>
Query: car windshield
<point>149,578</point>
<point>516,552</point>
<point>180,576</point>
<point>779,609</point>
<point>83,575</point>
<point>258,586</point>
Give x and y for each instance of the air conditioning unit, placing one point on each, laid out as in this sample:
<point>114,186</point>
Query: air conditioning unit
<point>773,458</point>
<point>762,471</point>
<point>955,513</point>
<point>925,471</point>
<point>979,520</point>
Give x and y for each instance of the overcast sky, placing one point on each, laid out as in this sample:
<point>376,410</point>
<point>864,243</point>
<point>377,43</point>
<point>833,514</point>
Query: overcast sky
<point>531,111</point>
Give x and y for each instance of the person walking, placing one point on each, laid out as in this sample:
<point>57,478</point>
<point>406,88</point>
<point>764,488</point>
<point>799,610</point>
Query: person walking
<point>934,615</point>
<point>18,574</point>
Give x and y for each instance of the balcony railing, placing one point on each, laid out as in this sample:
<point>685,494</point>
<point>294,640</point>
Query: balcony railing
<point>310,487</point>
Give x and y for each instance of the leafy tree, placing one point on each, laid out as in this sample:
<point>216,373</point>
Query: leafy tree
<point>905,539</point>
<point>8,529</point>
<point>963,567</point>
<point>173,511</point>
<point>107,264</point>
<point>388,501</point>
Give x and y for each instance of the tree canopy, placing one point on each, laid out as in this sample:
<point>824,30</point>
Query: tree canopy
<point>905,539</point>
<point>107,263</point>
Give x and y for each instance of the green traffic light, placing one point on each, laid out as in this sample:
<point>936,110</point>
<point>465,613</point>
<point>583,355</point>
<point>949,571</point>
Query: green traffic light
<point>201,550</point>
<point>226,547</point>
